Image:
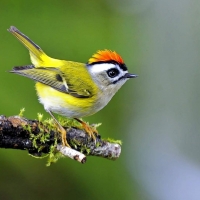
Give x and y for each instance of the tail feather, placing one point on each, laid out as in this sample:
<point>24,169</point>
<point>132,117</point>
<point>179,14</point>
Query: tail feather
<point>36,52</point>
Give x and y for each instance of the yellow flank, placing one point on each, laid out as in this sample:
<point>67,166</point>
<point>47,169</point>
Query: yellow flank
<point>60,102</point>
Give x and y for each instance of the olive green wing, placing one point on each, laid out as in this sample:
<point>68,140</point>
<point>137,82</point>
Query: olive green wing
<point>81,83</point>
<point>54,78</point>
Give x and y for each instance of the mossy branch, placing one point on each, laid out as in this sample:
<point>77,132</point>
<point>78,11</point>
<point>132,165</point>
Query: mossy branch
<point>41,139</point>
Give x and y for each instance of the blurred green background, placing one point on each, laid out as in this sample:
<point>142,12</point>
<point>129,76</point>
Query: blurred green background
<point>157,116</point>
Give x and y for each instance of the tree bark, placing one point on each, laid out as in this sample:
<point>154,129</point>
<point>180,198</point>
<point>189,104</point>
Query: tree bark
<point>38,138</point>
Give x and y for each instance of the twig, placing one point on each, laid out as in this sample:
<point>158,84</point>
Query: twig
<point>40,138</point>
<point>73,154</point>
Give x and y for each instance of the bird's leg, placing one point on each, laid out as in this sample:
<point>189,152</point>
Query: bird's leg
<point>63,132</point>
<point>91,131</point>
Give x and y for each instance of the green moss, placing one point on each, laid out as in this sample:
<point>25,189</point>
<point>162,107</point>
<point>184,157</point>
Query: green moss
<point>47,125</point>
<point>113,141</point>
<point>21,112</point>
<point>68,122</point>
<point>53,154</point>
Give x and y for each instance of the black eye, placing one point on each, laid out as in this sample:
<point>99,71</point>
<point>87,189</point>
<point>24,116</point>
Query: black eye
<point>112,73</point>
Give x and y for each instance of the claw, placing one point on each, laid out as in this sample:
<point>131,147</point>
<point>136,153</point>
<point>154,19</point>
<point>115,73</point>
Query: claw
<point>91,131</point>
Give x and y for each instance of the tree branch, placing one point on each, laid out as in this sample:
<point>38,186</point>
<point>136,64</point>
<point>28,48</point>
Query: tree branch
<point>42,138</point>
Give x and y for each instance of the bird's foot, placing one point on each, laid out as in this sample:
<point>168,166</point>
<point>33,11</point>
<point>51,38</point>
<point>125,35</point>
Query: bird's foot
<point>90,130</point>
<point>63,133</point>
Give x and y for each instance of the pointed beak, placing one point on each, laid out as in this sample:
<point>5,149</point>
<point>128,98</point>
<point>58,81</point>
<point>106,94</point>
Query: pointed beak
<point>128,75</point>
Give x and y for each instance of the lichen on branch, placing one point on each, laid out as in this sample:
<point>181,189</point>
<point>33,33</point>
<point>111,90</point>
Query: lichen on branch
<point>42,139</point>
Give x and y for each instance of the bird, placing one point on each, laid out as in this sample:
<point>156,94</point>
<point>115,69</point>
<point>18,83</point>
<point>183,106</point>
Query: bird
<point>73,89</point>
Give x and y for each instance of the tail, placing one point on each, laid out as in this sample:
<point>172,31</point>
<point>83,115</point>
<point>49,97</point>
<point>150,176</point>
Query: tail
<point>36,53</point>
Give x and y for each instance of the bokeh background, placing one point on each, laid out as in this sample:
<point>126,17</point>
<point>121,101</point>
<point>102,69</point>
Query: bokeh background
<point>157,116</point>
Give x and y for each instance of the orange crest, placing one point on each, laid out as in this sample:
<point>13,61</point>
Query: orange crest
<point>105,56</point>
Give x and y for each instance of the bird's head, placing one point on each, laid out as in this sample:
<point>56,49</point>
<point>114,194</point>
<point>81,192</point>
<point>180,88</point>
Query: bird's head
<point>108,70</point>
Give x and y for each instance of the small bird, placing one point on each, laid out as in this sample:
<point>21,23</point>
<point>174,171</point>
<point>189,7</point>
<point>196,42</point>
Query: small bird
<point>73,89</point>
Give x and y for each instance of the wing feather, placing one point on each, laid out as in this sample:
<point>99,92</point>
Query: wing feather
<point>54,78</point>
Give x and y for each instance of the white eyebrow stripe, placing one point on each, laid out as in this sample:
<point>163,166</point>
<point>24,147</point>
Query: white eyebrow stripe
<point>99,67</point>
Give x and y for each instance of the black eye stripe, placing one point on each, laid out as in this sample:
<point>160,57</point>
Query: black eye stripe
<point>114,82</point>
